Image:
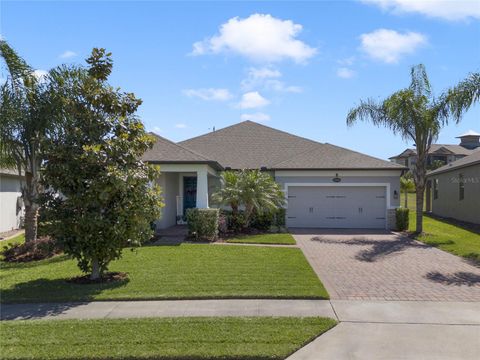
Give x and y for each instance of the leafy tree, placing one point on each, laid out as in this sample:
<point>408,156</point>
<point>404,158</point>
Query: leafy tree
<point>435,164</point>
<point>255,190</point>
<point>407,185</point>
<point>415,114</point>
<point>101,198</point>
<point>25,117</point>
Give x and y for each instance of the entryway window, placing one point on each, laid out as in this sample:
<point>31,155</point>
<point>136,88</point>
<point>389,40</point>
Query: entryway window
<point>461,187</point>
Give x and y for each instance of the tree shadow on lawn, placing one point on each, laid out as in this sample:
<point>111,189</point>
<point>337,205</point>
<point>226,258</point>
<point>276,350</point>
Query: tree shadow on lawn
<point>458,278</point>
<point>21,300</point>
<point>379,248</point>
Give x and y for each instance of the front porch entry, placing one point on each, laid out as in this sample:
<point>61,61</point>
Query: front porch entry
<point>184,186</point>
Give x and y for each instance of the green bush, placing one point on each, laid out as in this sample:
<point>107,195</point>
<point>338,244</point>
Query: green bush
<point>280,217</point>
<point>203,223</point>
<point>401,215</point>
<point>262,221</point>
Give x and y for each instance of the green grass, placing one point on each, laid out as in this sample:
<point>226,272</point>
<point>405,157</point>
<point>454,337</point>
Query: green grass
<point>160,338</point>
<point>5,243</point>
<point>188,271</point>
<point>448,237</point>
<point>411,201</point>
<point>283,239</point>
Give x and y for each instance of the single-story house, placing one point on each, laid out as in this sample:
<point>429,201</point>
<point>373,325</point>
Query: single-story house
<point>326,186</point>
<point>454,190</point>
<point>11,204</point>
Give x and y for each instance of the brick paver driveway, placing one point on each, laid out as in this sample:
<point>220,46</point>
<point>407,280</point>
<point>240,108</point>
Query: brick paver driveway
<point>376,265</point>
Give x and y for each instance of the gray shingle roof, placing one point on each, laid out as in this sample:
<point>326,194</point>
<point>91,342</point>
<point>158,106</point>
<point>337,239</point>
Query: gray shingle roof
<point>249,145</point>
<point>469,160</point>
<point>329,156</point>
<point>166,151</point>
<point>440,149</point>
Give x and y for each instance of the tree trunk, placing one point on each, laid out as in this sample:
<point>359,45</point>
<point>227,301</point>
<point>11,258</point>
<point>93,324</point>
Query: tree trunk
<point>406,199</point>
<point>31,216</point>
<point>95,275</point>
<point>419,209</point>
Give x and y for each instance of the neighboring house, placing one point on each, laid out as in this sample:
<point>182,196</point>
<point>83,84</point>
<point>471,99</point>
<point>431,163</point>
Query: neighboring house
<point>11,204</point>
<point>469,143</point>
<point>454,190</point>
<point>326,185</point>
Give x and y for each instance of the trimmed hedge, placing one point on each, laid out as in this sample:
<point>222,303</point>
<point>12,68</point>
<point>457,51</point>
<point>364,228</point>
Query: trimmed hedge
<point>203,224</point>
<point>401,215</point>
<point>262,222</point>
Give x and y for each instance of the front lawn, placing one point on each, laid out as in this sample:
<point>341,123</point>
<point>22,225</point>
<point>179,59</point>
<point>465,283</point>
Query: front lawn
<point>160,338</point>
<point>188,271</point>
<point>282,239</point>
<point>448,237</point>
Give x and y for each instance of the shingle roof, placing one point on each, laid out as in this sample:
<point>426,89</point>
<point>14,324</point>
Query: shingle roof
<point>454,149</point>
<point>328,156</point>
<point>166,151</point>
<point>469,160</point>
<point>249,145</point>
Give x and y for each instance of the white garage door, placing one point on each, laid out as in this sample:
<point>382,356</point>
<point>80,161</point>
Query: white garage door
<point>336,207</point>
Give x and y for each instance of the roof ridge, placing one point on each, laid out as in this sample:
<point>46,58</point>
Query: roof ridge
<point>254,123</point>
<point>181,146</point>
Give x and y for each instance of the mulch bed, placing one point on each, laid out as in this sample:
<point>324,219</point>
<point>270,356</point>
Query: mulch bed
<point>106,278</point>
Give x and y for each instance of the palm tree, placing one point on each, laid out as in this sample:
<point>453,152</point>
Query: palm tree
<point>24,117</point>
<point>259,193</point>
<point>416,115</point>
<point>255,190</point>
<point>407,185</point>
<point>229,192</point>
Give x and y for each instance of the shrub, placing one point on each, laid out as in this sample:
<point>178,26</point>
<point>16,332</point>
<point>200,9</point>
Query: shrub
<point>203,223</point>
<point>263,221</point>
<point>280,217</point>
<point>42,248</point>
<point>222,224</point>
<point>401,215</point>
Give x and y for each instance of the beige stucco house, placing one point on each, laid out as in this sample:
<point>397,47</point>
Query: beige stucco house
<point>325,185</point>
<point>454,190</point>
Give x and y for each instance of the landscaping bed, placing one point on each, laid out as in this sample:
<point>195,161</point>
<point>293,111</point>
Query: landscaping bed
<point>187,271</point>
<point>160,338</point>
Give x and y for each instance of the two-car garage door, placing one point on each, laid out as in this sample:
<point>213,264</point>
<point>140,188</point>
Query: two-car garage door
<point>337,207</point>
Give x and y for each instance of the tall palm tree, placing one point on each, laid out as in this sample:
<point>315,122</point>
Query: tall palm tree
<point>24,117</point>
<point>416,115</point>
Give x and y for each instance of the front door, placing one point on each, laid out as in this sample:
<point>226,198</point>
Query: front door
<point>189,193</point>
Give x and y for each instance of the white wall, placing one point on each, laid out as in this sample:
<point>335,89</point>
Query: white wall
<point>10,216</point>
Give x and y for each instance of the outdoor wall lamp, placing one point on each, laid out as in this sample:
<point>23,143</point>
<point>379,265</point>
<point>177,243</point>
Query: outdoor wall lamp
<point>336,178</point>
<point>395,194</point>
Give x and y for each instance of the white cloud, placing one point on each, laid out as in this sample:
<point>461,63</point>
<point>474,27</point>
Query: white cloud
<point>252,100</point>
<point>209,94</point>
<point>258,117</point>
<point>266,78</point>
<point>181,126</point>
<point>345,73</point>
<point>389,45</point>
<point>68,54</point>
<point>39,74</point>
<point>444,9</point>
<point>157,130</point>
<point>347,61</point>
<point>260,37</point>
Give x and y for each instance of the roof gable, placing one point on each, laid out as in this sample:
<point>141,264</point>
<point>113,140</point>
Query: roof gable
<point>466,161</point>
<point>248,145</point>
<point>164,150</point>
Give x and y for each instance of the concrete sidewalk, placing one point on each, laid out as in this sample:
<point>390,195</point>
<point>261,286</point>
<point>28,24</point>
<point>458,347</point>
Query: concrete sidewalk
<point>167,308</point>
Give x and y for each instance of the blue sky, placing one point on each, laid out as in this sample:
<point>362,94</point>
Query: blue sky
<point>295,66</point>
